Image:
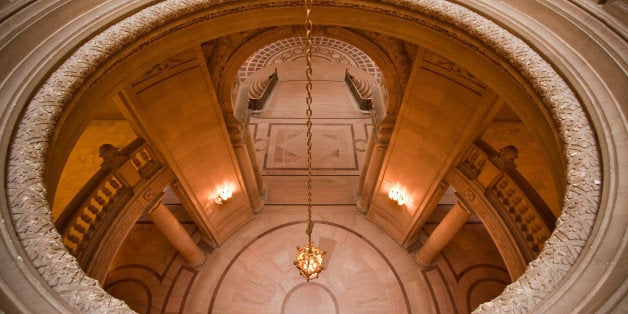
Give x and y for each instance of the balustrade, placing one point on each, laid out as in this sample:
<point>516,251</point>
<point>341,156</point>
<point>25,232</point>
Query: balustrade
<point>105,195</point>
<point>109,192</point>
<point>260,90</point>
<point>144,163</point>
<point>522,209</point>
<point>361,91</point>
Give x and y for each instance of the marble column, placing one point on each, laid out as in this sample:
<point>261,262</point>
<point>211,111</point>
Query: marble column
<point>258,173</point>
<point>184,198</point>
<point>170,227</point>
<point>365,166</point>
<point>248,176</point>
<point>442,235</point>
<point>370,179</point>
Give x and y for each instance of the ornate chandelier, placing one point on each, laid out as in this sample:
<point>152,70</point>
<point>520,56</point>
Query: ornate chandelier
<point>309,260</point>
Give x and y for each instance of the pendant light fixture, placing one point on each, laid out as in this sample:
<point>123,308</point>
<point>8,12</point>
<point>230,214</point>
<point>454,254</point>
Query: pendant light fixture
<point>309,260</point>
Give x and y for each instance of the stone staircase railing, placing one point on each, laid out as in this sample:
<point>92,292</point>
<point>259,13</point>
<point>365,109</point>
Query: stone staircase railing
<point>361,91</point>
<point>260,90</point>
<point>88,218</point>
<point>523,211</point>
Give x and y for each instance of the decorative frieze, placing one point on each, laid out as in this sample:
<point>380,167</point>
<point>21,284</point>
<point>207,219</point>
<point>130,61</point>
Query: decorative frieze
<point>86,219</point>
<point>510,250</point>
<point>510,194</point>
<point>166,65</point>
<point>147,193</point>
<point>438,63</point>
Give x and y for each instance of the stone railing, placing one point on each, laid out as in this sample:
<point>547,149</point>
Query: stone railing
<point>89,216</point>
<point>522,210</point>
<point>361,91</point>
<point>260,90</point>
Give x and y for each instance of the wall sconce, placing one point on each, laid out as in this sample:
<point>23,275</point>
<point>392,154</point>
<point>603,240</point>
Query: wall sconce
<point>396,195</point>
<point>223,196</point>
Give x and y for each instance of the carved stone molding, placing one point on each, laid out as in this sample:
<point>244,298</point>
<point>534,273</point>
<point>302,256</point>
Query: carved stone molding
<point>384,133</point>
<point>390,80</point>
<point>291,48</point>
<point>124,222</point>
<point>218,52</point>
<point>27,194</point>
<point>450,67</point>
<point>235,131</point>
<point>513,258</point>
<point>166,65</point>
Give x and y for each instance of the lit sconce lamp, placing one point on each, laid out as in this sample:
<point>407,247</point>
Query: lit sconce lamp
<point>223,196</point>
<point>398,196</point>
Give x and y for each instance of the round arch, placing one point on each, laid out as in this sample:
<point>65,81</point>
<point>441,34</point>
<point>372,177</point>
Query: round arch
<point>391,77</point>
<point>27,161</point>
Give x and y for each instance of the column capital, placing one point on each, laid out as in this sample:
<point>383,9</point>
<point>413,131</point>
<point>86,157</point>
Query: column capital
<point>384,134</point>
<point>385,129</point>
<point>234,128</point>
<point>157,203</point>
<point>463,204</point>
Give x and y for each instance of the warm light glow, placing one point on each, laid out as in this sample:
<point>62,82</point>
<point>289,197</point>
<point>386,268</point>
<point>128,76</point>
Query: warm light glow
<point>309,261</point>
<point>398,196</point>
<point>223,195</point>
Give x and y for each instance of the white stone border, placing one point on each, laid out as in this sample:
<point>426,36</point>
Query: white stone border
<point>31,213</point>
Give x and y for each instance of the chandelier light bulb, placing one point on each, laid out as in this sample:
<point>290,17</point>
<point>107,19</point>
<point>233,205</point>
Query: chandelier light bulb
<point>402,200</point>
<point>309,261</point>
<point>393,195</point>
<point>223,195</point>
<point>396,195</point>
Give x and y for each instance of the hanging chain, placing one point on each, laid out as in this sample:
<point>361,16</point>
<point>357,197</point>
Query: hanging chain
<point>308,113</point>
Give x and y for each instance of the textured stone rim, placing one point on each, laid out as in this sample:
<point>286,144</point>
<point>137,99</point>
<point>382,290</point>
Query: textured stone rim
<point>30,210</point>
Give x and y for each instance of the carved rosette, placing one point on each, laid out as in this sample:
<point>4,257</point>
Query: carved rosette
<point>30,210</point>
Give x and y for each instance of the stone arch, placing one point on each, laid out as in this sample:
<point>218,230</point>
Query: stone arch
<point>291,48</point>
<point>30,211</point>
<point>391,78</point>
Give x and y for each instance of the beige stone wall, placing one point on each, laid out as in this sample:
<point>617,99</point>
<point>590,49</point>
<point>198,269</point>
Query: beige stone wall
<point>174,107</point>
<point>84,160</point>
<point>435,124</point>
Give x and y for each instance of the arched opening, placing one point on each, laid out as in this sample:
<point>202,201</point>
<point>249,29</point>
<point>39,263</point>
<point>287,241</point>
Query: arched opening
<point>481,72</point>
<point>341,149</point>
